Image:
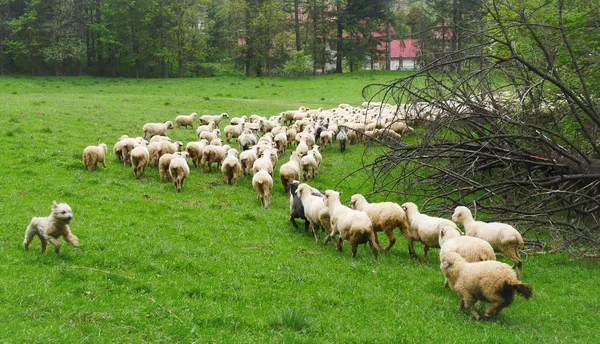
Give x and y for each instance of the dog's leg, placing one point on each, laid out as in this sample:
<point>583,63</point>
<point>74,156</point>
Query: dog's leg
<point>30,232</point>
<point>70,237</point>
<point>54,242</point>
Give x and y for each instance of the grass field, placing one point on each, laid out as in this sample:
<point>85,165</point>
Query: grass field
<point>209,265</point>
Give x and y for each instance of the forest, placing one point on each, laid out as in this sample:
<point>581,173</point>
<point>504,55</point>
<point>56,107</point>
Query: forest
<point>183,38</point>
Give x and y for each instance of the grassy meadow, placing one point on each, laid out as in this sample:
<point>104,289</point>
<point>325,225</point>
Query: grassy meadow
<point>209,265</point>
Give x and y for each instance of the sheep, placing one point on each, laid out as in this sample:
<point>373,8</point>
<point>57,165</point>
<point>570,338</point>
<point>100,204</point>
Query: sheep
<point>425,228</point>
<point>385,216</point>
<point>209,127</point>
<point>290,116</point>
<point>350,224</point>
<point>488,281</point>
<point>325,138</point>
<point>179,170</point>
<point>266,126</point>
<point>291,136</point>
<point>216,119</point>
<point>264,162</point>
<point>127,146</point>
<point>504,238</point>
<point>317,155</point>
<point>51,227</point>
<point>290,171</point>
<point>281,141</point>
<point>153,129</point>
<point>164,162</point>
<point>92,155</point>
<point>247,139</point>
<point>313,208</point>
<point>302,148</point>
<point>296,207</point>
<point>233,131</point>
<point>238,120</point>
<point>158,138</point>
<point>195,149</point>
<point>262,182</point>
<point>153,151</point>
<point>209,135</point>
<point>231,167</point>
<point>212,154</point>
<point>342,138</point>
<point>216,141</point>
<point>139,160</point>
<point>185,121</point>
<point>168,147</point>
<point>247,159</point>
<point>118,147</point>
<point>308,165</point>
<point>470,248</point>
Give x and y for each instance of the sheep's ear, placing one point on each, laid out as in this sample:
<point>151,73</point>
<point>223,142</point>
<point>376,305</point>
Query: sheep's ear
<point>442,232</point>
<point>54,204</point>
<point>445,265</point>
<point>404,207</point>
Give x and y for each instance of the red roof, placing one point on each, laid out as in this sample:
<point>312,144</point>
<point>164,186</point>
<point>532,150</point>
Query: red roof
<point>405,48</point>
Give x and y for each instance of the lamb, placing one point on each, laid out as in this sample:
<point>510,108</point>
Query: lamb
<point>209,135</point>
<point>179,170</point>
<point>425,228</point>
<point>51,227</point>
<point>470,248</point>
<point>185,121</point>
<point>212,154</point>
<point>350,224</point>
<point>216,119</point>
<point>262,182</point>
<point>209,127</point>
<point>385,216</point>
<point>247,159</point>
<point>313,209</point>
<point>504,238</point>
<point>290,171</point>
<point>342,138</point>
<point>139,160</point>
<point>153,129</point>
<point>233,131</point>
<point>231,167</point>
<point>195,149</point>
<point>308,165</point>
<point>488,281</point>
<point>317,155</point>
<point>92,155</point>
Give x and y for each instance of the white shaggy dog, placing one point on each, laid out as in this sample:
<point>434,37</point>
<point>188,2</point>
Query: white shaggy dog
<point>51,227</point>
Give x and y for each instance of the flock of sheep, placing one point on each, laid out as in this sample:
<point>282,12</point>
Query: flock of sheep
<point>467,261</point>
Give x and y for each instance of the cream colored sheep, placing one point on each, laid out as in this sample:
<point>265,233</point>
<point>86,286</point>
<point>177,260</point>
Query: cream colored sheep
<point>209,127</point>
<point>153,129</point>
<point>291,136</point>
<point>302,148</point>
<point>164,162</point>
<point>487,281</point>
<point>247,159</point>
<point>179,170</point>
<point>262,182</point>
<point>385,216</point>
<point>313,209</point>
<point>185,121</point>
<point>352,225</point>
<point>52,227</point>
<point>318,157</point>
<point>281,141</point>
<point>238,120</point>
<point>168,147</point>
<point>212,154</point>
<point>247,139</point>
<point>290,171</point>
<point>470,248</point>
<point>92,155</point>
<point>504,238</point>
<point>195,149</point>
<point>216,119</point>
<point>139,160</point>
<point>325,138</point>
<point>158,138</point>
<point>118,147</point>
<point>153,151</point>
<point>233,131</point>
<point>308,166</point>
<point>231,167</point>
<point>425,228</point>
<point>126,147</point>
<point>264,162</point>
<point>209,135</point>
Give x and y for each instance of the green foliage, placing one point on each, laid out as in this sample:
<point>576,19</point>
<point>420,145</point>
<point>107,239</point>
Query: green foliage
<point>208,264</point>
<point>298,64</point>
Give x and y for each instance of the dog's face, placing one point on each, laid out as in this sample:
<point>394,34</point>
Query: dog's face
<point>62,211</point>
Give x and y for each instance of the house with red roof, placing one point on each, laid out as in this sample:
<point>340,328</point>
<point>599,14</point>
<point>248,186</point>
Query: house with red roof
<point>403,53</point>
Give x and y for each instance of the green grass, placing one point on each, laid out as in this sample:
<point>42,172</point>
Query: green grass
<point>209,265</point>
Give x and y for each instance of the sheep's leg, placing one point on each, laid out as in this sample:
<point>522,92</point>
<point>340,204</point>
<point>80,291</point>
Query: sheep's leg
<point>425,250</point>
<point>496,307</point>
<point>409,238</point>
<point>354,246</point>
<point>315,230</point>
<point>374,248</point>
<point>467,302</point>
<point>340,244</point>
<point>293,221</point>
<point>392,238</point>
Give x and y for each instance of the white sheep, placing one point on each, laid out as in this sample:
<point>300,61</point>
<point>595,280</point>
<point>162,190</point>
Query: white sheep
<point>231,167</point>
<point>308,166</point>
<point>314,207</point>
<point>425,228</point>
<point>238,120</point>
<point>385,216</point>
<point>350,224</point>
<point>212,154</point>
<point>503,237</point>
<point>216,119</point>
<point>262,182</point>
<point>164,162</point>
<point>233,131</point>
<point>158,138</point>
<point>153,129</point>
<point>487,281</point>
<point>325,138</point>
<point>317,155</point>
<point>264,162</point>
<point>247,159</point>
<point>92,155</point>
<point>185,121</point>
<point>209,135</point>
<point>290,171</point>
<point>126,146</point>
<point>247,139</point>
<point>281,141</point>
<point>302,147</point>
<point>139,160</point>
<point>179,170</point>
<point>195,148</point>
<point>209,127</point>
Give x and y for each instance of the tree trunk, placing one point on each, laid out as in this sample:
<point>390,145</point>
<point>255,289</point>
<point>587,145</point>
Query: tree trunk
<point>1,57</point>
<point>388,47</point>
<point>340,38</point>
<point>164,69</point>
<point>297,25</point>
<point>113,61</point>
<point>180,67</point>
